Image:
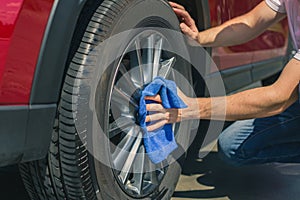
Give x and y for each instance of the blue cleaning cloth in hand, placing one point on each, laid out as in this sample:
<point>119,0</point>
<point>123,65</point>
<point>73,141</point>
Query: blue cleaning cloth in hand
<point>159,143</point>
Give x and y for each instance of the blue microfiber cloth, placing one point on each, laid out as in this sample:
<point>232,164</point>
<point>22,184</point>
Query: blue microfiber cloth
<point>159,143</point>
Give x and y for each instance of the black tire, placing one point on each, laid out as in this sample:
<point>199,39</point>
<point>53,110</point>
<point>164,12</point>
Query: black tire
<point>70,172</point>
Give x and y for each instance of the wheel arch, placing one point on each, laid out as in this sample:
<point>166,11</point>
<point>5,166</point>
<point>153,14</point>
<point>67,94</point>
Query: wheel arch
<point>62,30</point>
<point>52,62</point>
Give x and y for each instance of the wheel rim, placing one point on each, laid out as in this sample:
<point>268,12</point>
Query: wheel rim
<point>142,60</point>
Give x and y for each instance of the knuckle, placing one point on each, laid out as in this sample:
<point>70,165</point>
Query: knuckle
<point>157,107</point>
<point>167,116</point>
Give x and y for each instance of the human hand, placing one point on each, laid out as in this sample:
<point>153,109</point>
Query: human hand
<point>160,115</point>
<point>187,24</point>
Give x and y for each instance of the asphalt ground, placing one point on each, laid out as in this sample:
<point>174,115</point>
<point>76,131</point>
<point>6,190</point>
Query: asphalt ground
<point>11,186</point>
<point>205,179</point>
<point>212,179</point>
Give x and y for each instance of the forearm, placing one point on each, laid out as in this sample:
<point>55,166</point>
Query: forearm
<point>240,29</point>
<point>233,32</point>
<point>255,103</point>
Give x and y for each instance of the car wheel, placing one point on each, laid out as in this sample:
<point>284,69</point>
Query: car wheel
<point>71,170</point>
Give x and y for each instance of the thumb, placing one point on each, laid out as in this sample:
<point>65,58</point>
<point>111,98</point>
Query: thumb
<point>188,31</point>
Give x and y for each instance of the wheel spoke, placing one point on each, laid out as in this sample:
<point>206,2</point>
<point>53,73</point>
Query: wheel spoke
<point>119,125</point>
<point>153,176</point>
<point>121,97</point>
<point>126,82</point>
<point>157,57</point>
<point>138,169</point>
<point>148,59</point>
<point>136,63</point>
<point>123,148</point>
<point>137,76</point>
<point>130,159</point>
<point>138,52</point>
<point>166,67</point>
<point>140,61</point>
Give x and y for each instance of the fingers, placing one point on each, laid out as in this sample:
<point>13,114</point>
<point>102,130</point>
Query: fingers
<point>157,125</point>
<point>161,119</point>
<point>155,98</point>
<point>155,108</point>
<point>184,16</point>
<point>188,24</point>
<point>158,112</point>
<point>186,30</point>
<point>176,5</point>
<point>157,117</point>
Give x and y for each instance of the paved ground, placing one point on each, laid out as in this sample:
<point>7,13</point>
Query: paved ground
<point>11,187</point>
<point>207,179</point>
<point>211,179</point>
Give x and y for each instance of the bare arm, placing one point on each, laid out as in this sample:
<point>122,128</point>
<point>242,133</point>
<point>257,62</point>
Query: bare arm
<point>236,31</point>
<point>254,103</point>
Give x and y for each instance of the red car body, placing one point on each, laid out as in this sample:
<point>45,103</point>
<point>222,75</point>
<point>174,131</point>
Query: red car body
<point>271,44</point>
<point>22,28</point>
<point>35,38</point>
<point>23,24</point>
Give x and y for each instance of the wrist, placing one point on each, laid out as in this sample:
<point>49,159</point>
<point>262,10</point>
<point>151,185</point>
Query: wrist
<point>204,107</point>
<point>192,110</point>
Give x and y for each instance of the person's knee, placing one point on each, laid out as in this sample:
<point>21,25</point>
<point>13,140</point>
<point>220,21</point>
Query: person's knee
<point>232,140</point>
<point>229,153</point>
